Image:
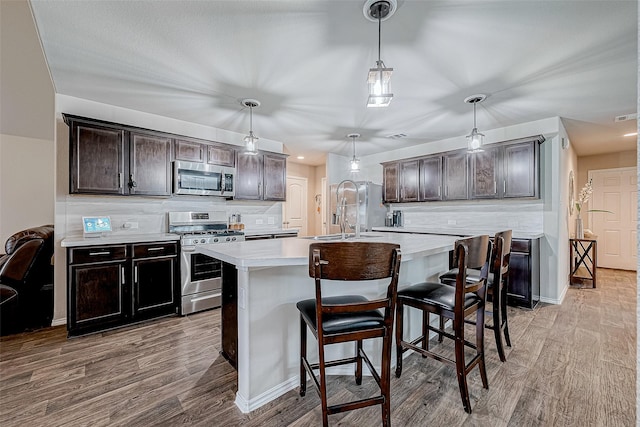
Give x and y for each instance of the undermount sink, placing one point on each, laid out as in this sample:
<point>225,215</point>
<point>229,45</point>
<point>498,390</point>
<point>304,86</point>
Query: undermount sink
<point>337,236</point>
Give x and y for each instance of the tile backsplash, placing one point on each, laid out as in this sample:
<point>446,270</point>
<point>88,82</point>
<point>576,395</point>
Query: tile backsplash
<point>149,215</point>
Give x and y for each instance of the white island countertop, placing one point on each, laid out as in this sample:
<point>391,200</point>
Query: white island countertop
<point>295,251</point>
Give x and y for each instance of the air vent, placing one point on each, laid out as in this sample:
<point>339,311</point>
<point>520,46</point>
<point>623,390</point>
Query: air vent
<point>397,136</point>
<point>626,117</point>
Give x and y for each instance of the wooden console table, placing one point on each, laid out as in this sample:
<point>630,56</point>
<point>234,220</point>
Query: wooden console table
<point>583,260</point>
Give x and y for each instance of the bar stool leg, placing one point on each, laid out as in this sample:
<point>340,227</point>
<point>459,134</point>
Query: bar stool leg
<point>497,322</point>
<point>503,302</point>
<point>399,321</point>
<point>303,356</point>
<point>359,362</point>
<point>458,326</point>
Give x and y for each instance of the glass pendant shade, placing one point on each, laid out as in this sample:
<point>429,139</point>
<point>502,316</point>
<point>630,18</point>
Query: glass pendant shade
<point>355,162</point>
<point>355,165</point>
<point>251,141</point>
<point>474,141</point>
<point>379,83</point>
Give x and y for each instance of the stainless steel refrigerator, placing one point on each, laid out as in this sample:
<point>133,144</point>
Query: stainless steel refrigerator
<point>372,210</point>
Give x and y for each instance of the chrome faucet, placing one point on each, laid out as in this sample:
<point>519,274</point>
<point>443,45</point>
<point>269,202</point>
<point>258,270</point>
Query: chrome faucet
<point>340,216</point>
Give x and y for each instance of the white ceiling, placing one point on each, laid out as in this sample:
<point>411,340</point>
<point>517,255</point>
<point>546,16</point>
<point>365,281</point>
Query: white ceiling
<point>307,61</point>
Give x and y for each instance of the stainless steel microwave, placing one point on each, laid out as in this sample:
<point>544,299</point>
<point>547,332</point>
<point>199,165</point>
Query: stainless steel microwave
<point>202,179</point>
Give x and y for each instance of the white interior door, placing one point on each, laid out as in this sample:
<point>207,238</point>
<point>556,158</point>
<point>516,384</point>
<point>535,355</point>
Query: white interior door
<point>615,190</point>
<point>295,208</point>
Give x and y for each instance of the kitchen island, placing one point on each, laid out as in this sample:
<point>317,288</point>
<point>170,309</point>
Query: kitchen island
<point>271,277</point>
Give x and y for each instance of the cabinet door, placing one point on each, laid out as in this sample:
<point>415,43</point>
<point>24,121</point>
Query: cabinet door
<point>409,181</point>
<point>431,178</point>
<point>221,155</point>
<point>150,162</point>
<point>275,177</point>
<point>390,182</point>
<point>485,173</point>
<point>189,151</point>
<point>519,286</point>
<point>97,296</point>
<point>455,176</point>
<point>97,160</point>
<point>520,170</point>
<point>248,176</point>
<point>154,290</point>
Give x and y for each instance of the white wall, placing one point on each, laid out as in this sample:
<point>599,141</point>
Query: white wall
<point>26,187</point>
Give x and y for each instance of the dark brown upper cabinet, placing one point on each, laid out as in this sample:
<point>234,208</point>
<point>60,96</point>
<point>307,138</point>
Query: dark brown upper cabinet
<point>521,165</point>
<point>431,178</point>
<point>485,174</point>
<point>261,176</point>
<point>189,151</point>
<point>107,158</point>
<point>456,175</point>
<point>149,165</point>
<point>221,155</point>
<point>507,169</point>
<point>390,182</point>
<point>97,163</point>
<point>409,181</point>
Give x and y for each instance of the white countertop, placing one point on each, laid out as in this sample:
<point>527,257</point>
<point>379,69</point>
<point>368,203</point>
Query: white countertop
<point>295,251</point>
<point>114,239</point>
<point>458,231</point>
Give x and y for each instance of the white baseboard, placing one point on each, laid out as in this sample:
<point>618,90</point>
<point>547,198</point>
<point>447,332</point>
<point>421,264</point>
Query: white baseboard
<point>247,406</point>
<point>59,322</point>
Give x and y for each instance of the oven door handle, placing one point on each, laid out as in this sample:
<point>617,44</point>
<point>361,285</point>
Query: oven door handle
<point>188,249</point>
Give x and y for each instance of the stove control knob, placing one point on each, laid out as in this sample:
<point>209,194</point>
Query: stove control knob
<point>233,238</point>
<point>215,240</point>
<point>228,239</point>
<point>201,240</point>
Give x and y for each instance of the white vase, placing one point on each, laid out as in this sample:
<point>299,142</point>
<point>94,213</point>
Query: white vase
<point>579,229</point>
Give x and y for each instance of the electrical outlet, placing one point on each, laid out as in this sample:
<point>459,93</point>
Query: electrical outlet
<point>259,221</point>
<point>271,220</point>
<point>451,222</point>
<point>130,225</point>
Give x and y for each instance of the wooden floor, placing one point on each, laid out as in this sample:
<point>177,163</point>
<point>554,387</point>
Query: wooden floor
<point>570,365</point>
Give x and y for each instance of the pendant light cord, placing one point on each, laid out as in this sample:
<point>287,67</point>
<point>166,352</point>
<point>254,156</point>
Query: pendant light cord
<point>474,114</point>
<point>379,29</point>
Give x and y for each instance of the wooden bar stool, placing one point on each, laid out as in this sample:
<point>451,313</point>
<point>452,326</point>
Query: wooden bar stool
<point>499,273</point>
<point>454,303</point>
<point>344,318</point>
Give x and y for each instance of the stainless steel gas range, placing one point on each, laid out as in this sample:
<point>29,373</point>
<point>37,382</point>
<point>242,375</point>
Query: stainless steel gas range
<point>201,275</point>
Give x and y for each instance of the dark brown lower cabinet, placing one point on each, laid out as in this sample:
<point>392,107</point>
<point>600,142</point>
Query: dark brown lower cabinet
<point>115,285</point>
<point>523,289</point>
<point>229,314</point>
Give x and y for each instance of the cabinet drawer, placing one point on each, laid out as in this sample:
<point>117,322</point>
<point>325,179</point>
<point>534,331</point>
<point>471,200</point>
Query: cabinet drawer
<point>521,246</point>
<point>97,254</point>
<point>147,250</point>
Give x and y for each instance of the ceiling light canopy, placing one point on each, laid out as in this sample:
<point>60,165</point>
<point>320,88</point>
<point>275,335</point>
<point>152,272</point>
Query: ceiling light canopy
<point>251,141</point>
<point>355,162</point>
<point>475,139</point>
<point>379,77</point>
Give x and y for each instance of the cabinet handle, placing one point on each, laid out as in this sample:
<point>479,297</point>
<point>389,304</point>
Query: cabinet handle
<point>439,191</point>
<point>504,187</point>
<point>495,187</point>
<point>135,274</point>
<point>122,276</point>
<point>120,180</point>
<point>99,253</point>
<point>155,249</point>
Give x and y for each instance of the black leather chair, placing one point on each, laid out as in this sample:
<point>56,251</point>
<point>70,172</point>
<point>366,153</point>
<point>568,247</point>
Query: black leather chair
<point>339,319</point>
<point>497,288</point>
<point>26,276</point>
<point>455,303</point>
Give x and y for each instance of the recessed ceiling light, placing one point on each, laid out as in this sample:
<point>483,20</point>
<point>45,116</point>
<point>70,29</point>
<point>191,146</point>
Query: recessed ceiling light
<point>300,157</point>
<point>631,134</point>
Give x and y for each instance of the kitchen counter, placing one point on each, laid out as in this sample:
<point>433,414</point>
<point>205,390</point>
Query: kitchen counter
<point>114,239</point>
<point>457,231</point>
<point>271,277</point>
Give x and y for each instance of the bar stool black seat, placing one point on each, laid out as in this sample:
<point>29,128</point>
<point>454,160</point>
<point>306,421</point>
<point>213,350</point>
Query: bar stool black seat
<point>455,303</point>
<point>499,273</point>
<point>344,318</point>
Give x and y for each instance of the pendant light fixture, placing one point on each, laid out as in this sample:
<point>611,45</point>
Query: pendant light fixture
<point>379,77</point>
<point>251,141</point>
<point>475,139</point>
<point>355,162</point>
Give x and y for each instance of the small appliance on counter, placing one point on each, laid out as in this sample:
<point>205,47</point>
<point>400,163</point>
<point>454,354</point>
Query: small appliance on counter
<point>398,219</point>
